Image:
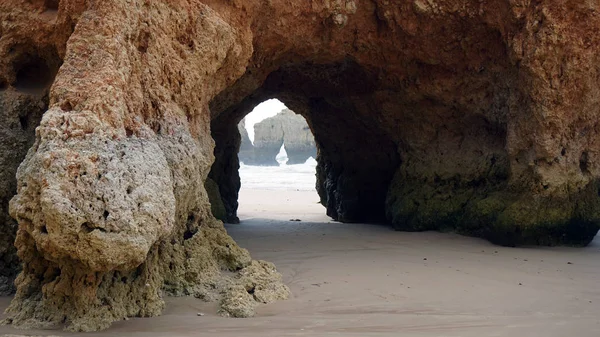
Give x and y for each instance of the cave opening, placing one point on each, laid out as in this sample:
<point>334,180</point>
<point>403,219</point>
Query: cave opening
<point>34,75</point>
<point>277,165</point>
<point>356,157</point>
<point>51,5</point>
<point>275,173</point>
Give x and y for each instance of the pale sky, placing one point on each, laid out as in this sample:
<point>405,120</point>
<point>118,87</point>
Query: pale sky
<point>262,111</point>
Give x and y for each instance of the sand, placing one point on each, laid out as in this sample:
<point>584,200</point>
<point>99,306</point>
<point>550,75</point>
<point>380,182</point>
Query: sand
<point>367,280</point>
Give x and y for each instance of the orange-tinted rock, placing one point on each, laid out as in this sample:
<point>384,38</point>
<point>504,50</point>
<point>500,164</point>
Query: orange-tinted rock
<point>478,117</point>
<point>28,65</point>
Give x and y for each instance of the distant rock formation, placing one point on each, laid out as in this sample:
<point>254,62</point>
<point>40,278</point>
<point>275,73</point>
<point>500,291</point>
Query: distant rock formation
<point>246,153</point>
<point>268,138</point>
<point>285,128</point>
<point>297,137</point>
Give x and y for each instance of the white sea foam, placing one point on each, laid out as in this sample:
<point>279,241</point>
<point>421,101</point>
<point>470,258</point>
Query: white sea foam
<point>283,177</point>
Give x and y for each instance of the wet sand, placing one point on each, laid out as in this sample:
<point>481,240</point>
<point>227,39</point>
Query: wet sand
<point>367,280</point>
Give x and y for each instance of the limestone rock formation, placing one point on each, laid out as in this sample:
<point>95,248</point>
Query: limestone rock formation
<point>268,139</point>
<point>223,183</point>
<point>476,117</point>
<point>298,139</point>
<point>287,129</point>
<point>20,112</point>
<point>217,206</point>
<point>246,153</point>
<point>479,117</point>
<point>111,203</point>
<point>28,65</point>
<point>224,171</point>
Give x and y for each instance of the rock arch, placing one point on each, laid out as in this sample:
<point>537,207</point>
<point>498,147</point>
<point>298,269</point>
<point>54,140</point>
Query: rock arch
<point>476,117</point>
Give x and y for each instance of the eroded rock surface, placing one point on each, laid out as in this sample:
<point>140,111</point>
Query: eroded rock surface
<point>20,112</point>
<point>477,116</point>
<point>111,203</point>
<point>28,65</point>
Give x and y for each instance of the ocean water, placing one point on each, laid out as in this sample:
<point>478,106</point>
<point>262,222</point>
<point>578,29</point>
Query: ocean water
<point>283,177</point>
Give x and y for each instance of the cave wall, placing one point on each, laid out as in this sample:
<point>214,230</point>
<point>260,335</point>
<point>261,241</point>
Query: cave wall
<point>110,202</point>
<point>356,159</point>
<point>20,113</point>
<point>476,102</point>
<point>478,117</point>
<point>225,170</point>
<point>27,69</point>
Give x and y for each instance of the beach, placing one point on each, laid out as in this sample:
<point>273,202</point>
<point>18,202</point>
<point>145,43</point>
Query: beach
<point>368,280</point>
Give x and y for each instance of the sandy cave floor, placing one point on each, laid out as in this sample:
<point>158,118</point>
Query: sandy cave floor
<point>367,280</point>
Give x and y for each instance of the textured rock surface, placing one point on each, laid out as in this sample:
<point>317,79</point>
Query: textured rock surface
<point>20,112</point>
<point>224,171</point>
<point>474,116</point>
<point>111,203</point>
<point>217,206</point>
<point>477,117</point>
<point>257,283</point>
<point>28,65</point>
